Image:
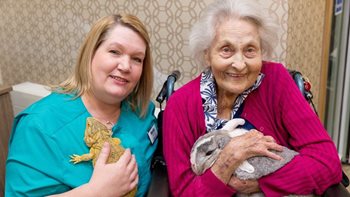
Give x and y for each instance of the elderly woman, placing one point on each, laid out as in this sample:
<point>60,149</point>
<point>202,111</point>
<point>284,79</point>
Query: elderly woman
<point>112,83</point>
<point>231,40</point>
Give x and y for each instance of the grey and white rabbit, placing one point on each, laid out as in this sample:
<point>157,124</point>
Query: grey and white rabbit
<point>207,148</point>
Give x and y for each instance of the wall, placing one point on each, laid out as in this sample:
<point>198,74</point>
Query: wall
<point>306,24</point>
<point>40,38</point>
<point>1,77</point>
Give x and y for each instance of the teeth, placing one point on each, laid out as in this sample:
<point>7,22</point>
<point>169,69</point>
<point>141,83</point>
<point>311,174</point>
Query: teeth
<point>118,78</point>
<point>234,75</point>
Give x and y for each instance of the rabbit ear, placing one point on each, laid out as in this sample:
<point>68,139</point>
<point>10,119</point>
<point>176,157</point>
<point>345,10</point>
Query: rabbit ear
<point>232,124</point>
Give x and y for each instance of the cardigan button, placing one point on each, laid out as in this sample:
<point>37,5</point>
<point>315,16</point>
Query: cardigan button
<point>261,128</point>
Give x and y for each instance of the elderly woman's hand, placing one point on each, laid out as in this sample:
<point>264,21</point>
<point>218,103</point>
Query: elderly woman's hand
<point>253,143</point>
<point>240,148</point>
<point>244,186</point>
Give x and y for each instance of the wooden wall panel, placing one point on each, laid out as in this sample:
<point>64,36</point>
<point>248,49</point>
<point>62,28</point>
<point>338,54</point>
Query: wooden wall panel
<point>6,119</point>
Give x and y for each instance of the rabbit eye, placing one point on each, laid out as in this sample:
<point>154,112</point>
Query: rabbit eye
<point>209,152</point>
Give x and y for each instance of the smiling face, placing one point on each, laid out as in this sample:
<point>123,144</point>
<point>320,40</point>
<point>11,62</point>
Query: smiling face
<point>117,64</point>
<point>235,57</point>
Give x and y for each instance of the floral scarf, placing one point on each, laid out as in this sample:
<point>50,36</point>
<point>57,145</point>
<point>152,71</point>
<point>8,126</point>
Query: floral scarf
<point>208,94</point>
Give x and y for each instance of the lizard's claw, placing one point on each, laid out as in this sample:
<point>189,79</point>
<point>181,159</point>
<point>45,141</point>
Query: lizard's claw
<point>75,158</point>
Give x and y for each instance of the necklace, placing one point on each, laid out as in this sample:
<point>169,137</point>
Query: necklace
<point>95,108</point>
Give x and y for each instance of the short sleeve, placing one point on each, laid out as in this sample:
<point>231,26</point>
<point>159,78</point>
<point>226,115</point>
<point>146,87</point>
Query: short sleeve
<point>33,167</point>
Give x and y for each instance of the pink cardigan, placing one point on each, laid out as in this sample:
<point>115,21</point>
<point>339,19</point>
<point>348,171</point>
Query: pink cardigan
<point>276,108</point>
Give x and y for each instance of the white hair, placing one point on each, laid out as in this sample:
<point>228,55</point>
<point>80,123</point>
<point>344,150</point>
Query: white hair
<point>203,32</point>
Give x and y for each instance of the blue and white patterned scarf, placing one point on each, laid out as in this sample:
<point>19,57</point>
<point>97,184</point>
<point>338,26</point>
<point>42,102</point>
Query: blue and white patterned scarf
<point>209,99</point>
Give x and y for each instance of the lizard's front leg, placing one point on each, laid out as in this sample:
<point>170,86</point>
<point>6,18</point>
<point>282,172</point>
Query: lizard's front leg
<point>78,158</point>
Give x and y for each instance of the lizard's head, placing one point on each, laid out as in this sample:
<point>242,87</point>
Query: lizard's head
<point>94,131</point>
<point>206,149</point>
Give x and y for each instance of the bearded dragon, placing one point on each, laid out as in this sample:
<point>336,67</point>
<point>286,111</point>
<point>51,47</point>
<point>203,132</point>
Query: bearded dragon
<point>96,134</point>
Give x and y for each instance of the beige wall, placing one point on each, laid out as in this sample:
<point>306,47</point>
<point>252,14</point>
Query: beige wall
<point>40,38</point>
<point>1,77</point>
<point>306,24</point>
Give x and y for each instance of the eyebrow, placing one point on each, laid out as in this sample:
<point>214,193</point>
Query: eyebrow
<point>116,44</point>
<point>250,41</point>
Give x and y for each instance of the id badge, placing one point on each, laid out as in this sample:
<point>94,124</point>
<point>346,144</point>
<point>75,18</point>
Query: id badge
<point>153,133</point>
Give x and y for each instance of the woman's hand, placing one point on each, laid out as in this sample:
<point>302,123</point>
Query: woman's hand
<point>114,179</point>
<point>244,186</point>
<point>251,144</point>
<point>240,148</point>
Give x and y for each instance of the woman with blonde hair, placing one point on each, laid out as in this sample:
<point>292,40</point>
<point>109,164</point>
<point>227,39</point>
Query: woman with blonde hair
<point>112,83</point>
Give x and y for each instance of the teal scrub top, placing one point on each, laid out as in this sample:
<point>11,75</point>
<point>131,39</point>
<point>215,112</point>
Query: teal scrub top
<point>45,135</point>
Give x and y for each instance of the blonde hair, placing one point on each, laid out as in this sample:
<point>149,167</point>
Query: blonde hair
<point>203,32</point>
<point>79,82</point>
